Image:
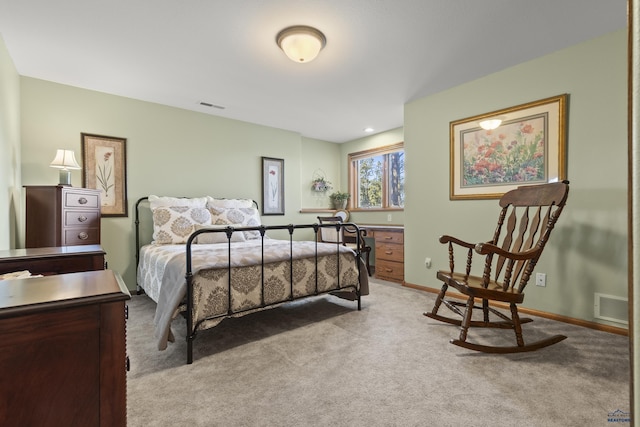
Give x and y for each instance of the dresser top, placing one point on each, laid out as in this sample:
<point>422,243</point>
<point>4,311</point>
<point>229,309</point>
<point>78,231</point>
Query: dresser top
<point>37,294</point>
<point>50,251</point>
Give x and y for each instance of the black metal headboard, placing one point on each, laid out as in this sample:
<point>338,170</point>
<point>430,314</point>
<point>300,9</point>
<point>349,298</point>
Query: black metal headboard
<point>137,220</point>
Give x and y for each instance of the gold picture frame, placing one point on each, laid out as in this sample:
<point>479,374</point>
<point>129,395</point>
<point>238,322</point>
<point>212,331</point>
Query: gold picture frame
<point>528,147</point>
<point>105,169</point>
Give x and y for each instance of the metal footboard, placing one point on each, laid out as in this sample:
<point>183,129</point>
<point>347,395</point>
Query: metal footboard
<point>192,326</point>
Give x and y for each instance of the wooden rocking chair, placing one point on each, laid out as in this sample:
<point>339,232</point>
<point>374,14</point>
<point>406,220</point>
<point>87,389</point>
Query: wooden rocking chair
<point>531,213</point>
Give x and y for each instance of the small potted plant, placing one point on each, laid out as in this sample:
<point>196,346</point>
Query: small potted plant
<point>320,185</point>
<point>339,199</point>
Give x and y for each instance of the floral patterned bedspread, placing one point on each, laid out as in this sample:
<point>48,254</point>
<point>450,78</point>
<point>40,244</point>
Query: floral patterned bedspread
<point>162,268</point>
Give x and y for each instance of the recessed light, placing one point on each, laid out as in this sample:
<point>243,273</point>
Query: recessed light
<point>369,130</point>
<point>208,104</point>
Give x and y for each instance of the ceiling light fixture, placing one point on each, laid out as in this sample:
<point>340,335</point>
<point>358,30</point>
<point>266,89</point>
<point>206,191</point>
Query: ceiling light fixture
<point>490,124</point>
<point>368,130</point>
<point>301,43</point>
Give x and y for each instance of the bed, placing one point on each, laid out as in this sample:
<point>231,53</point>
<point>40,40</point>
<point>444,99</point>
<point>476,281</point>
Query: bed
<point>210,259</point>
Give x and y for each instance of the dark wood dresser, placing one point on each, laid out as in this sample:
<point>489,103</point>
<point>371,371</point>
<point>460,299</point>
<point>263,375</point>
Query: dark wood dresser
<point>63,350</point>
<point>56,260</point>
<point>61,215</point>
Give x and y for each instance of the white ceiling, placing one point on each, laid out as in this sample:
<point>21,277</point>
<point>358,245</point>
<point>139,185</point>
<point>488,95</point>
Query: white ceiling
<point>379,55</point>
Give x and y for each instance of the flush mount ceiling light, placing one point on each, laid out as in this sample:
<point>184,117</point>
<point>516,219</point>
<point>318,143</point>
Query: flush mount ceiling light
<point>301,43</point>
<point>490,124</point>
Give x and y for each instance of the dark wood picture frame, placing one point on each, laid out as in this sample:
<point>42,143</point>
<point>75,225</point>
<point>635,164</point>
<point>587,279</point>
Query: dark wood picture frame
<point>105,169</point>
<point>272,186</point>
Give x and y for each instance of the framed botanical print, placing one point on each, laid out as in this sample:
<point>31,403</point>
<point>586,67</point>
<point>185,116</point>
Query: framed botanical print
<point>272,186</point>
<point>105,169</point>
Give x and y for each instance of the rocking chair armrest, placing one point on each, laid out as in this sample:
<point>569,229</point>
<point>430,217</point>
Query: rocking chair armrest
<point>488,248</point>
<point>447,239</point>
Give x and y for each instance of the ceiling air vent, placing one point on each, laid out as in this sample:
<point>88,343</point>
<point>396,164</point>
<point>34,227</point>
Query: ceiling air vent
<point>208,104</point>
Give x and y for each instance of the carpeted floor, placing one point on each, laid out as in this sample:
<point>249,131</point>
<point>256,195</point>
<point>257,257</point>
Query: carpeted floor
<point>320,362</point>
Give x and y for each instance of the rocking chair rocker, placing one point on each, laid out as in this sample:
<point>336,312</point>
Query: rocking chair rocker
<point>531,213</point>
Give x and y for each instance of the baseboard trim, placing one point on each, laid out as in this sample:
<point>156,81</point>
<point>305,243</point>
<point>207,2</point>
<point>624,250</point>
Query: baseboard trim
<point>539,313</point>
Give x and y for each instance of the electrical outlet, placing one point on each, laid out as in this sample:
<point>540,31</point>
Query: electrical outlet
<point>427,262</point>
<point>541,279</point>
<point>389,217</point>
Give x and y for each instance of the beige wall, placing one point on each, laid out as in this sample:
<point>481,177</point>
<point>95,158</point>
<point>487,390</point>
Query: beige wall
<point>169,152</point>
<point>10,186</point>
<point>587,251</point>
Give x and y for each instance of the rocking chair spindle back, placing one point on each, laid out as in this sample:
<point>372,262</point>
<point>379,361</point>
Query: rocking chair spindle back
<point>528,215</point>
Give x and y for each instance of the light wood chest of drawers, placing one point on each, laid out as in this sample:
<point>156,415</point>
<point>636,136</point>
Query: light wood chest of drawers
<point>61,216</point>
<point>389,252</point>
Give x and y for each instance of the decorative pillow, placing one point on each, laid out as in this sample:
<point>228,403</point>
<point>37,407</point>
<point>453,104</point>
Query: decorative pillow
<point>248,217</point>
<point>229,203</point>
<point>163,201</point>
<point>174,224</point>
<point>207,238</point>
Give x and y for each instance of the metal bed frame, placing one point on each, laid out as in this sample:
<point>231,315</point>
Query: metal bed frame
<point>192,329</point>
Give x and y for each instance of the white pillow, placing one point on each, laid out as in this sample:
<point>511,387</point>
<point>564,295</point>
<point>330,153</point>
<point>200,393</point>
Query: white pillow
<point>159,201</point>
<point>248,217</point>
<point>174,224</point>
<point>229,203</point>
<point>206,238</point>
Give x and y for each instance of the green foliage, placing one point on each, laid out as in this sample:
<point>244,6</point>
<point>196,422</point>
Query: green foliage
<point>371,170</point>
<point>339,196</point>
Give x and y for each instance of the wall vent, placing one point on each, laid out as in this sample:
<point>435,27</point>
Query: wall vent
<point>611,308</point>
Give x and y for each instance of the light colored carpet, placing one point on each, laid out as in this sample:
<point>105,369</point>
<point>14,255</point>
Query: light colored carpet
<point>320,362</point>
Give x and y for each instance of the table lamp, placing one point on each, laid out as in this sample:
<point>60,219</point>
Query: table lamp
<point>65,160</point>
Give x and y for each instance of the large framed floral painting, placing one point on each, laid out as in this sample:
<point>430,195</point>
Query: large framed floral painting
<point>272,186</point>
<point>495,152</point>
<point>105,169</point>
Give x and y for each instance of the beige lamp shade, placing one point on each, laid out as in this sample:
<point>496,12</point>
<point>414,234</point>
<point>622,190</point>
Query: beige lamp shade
<point>65,160</point>
<point>301,43</point>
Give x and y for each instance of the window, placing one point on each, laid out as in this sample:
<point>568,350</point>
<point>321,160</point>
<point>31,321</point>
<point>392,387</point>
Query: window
<point>376,178</point>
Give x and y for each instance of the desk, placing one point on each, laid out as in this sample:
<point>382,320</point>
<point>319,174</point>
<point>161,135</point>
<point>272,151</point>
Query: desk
<point>389,251</point>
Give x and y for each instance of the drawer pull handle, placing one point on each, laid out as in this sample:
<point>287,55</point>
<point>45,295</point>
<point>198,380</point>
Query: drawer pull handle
<point>388,238</point>
<point>83,236</point>
<point>83,201</point>
<point>388,252</point>
<point>388,270</point>
<point>82,218</point>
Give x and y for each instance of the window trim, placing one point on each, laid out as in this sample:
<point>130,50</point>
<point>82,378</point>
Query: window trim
<point>352,173</point>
